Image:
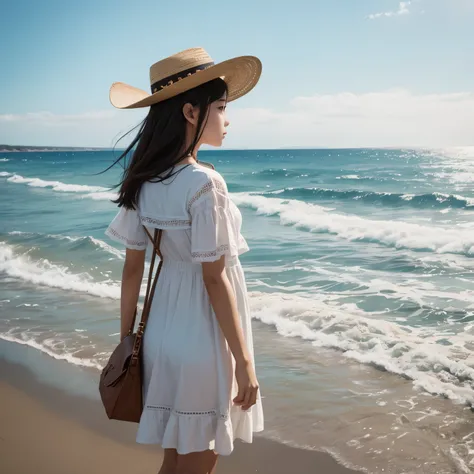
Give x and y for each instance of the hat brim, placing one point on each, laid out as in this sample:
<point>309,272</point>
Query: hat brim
<point>241,74</point>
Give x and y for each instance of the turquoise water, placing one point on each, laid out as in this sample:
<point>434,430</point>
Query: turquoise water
<point>360,272</point>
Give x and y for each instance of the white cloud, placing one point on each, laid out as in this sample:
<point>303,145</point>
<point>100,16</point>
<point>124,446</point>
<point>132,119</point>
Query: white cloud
<point>402,10</point>
<point>390,118</point>
<point>99,128</point>
<point>48,118</point>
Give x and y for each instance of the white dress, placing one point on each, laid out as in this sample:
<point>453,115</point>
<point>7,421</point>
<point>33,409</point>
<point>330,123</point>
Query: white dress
<point>188,369</point>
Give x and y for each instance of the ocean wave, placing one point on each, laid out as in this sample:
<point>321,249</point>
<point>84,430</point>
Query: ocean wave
<point>282,173</point>
<point>4,174</point>
<point>418,354</point>
<point>396,234</point>
<point>412,353</point>
<point>43,347</point>
<point>88,243</point>
<point>101,196</point>
<point>54,185</point>
<point>4,159</point>
<point>106,247</point>
<point>430,200</point>
<point>349,176</point>
<point>42,272</point>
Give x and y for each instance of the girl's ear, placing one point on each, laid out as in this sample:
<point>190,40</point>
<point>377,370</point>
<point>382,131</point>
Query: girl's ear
<point>190,114</point>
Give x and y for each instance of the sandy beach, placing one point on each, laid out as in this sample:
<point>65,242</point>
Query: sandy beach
<point>46,430</point>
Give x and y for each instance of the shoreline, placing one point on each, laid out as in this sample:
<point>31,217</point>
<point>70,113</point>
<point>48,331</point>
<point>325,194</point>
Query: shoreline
<point>77,424</point>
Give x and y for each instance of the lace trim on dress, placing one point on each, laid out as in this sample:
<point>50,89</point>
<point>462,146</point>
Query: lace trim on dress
<point>208,187</point>
<point>211,253</point>
<point>136,243</point>
<point>165,222</point>
<point>222,416</point>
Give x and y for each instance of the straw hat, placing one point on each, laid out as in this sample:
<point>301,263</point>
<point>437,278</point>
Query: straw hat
<point>184,71</point>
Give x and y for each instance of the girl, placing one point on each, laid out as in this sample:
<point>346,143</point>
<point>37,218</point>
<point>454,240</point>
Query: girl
<point>199,385</point>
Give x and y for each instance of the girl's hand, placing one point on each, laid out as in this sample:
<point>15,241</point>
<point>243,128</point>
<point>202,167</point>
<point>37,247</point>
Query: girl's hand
<point>247,385</point>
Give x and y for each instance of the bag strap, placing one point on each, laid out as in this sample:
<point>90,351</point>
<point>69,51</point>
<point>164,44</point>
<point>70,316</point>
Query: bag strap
<point>150,291</point>
<point>156,241</point>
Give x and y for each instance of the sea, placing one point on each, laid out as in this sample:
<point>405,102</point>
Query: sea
<point>361,283</point>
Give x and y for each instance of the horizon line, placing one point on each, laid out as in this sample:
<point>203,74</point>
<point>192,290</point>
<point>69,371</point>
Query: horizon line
<point>43,148</point>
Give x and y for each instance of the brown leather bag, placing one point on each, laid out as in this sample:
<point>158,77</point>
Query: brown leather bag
<point>120,384</point>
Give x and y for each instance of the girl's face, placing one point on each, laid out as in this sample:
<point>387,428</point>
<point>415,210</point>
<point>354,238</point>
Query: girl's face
<point>215,129</point>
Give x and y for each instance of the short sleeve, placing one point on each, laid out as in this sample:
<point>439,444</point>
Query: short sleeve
<point>127,229</point>
<point>213,228</point>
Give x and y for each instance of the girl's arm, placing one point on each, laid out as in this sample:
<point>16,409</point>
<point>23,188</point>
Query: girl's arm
<point>224,305</point>
<point>132,275</point>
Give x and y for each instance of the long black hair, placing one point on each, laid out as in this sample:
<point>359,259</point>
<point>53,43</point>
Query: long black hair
<point>161,139</point>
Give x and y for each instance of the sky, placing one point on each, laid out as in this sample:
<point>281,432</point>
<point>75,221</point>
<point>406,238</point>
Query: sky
<point>336,73</point>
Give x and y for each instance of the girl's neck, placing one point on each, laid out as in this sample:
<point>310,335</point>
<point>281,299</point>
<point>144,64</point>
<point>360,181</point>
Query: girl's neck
<point>189,160</point>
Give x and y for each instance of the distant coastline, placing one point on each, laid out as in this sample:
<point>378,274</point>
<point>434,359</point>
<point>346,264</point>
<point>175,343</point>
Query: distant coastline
<point>23,148</point>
